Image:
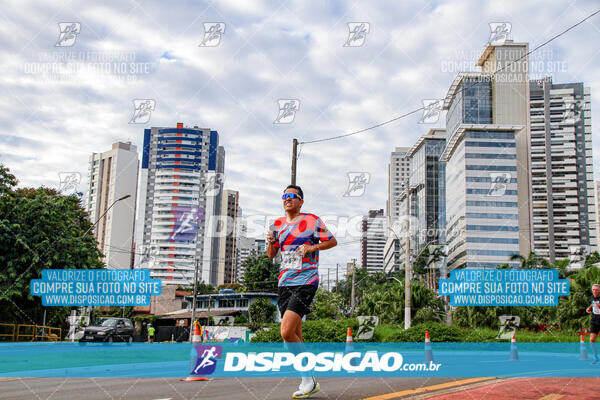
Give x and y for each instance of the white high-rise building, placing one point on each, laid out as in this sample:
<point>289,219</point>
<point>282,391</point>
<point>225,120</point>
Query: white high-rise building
<point>373,240</point>
<point>228,236</point>
<point>597,193</point>
<point>180,193</point>
<point>398,174</point>
<point>112,175</point>
<point>564,201</point>
<point>246,247</point>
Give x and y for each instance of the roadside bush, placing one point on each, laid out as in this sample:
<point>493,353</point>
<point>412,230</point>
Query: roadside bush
<point>262,311</point>
<point>480,335</point>
<point>326,305</point>
<point>437,333</point>
<point>324,330</point>
<point>270,334</point>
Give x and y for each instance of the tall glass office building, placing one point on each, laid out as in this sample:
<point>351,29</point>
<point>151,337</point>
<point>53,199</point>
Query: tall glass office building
<point>428,187</point>
<point>482,210</point>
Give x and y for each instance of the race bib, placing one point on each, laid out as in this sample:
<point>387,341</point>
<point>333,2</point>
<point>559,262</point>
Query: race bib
<point>595,308</point>
<point>291,259</point>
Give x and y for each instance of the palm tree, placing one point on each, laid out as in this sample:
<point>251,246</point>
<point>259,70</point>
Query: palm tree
<point>532,261</point>
<point>428,257</point>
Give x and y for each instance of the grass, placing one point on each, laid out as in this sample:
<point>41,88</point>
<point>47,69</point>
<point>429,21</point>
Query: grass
<point>383,333</point>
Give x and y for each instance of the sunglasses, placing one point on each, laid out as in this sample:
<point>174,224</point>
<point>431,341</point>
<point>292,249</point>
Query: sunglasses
<point>291,196</point>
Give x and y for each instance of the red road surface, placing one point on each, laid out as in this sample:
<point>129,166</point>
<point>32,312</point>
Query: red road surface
<point>531,388</point>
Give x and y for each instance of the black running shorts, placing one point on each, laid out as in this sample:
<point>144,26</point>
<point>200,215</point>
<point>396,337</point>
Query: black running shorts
<point>595,327</point>
<point>296,298</point>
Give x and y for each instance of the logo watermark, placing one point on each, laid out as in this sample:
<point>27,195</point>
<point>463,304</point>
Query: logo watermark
<point>142,110</point>
<point>87,66</point>
<point>357,183</point>
<point>573,112</point>
<point>186,223</point>
<point>499,33</point>
<point>68,32</point>
<point>498,183</point>
<point>68,182</point>
<point>213,183</point>
<point>149,255</point>
<point>212,34</point>
<point>287,111</point>
<point>432,108</point>
<point>357,34</point>
<point>206,361</point>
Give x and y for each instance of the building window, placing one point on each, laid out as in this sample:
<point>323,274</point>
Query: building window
<point>242,303</point>
<point>226,303</point>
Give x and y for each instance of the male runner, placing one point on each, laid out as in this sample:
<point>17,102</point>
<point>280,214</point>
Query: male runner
<point>594,309</point>
<point>300,237</point>
<point>150,333</point>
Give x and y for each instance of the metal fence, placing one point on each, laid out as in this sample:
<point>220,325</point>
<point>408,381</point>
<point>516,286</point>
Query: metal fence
<point>29,333</point>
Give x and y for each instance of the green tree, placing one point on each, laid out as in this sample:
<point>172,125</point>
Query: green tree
<point>571,309</point>
<point>206,288</point>
<point>532,261</point>
<point>428,257</point>
<point>326,305</point>
<point>261,274</point>
<point>202,288</point>
<point>7,181</point>
<point>387,302</point>
<point>39,229</point>
<point>592,259</point>
<point>235,286</point>
<point>262,311</point>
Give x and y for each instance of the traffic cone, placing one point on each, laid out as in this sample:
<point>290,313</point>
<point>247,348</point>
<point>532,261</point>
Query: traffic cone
<point>514,355</point>
<point>428,349</point>
<point>350,348</point>
<point>196,338</point>
<point>349,343</point>
<point>583,355</point>
<point>197,333</point>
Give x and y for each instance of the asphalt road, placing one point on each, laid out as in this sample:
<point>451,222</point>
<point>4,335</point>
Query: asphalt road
<point>218,388</point>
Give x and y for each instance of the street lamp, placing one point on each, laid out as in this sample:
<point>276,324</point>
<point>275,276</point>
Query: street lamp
<point>104,213</point>
<point>88,231</point>
<point>396,279</point>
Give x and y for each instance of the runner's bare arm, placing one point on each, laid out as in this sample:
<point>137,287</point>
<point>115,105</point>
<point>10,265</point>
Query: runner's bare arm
<point>271,249</point>
<point>328,244</point>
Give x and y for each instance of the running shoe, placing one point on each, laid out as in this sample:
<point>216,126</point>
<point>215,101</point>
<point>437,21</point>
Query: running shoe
<point>305,391</point>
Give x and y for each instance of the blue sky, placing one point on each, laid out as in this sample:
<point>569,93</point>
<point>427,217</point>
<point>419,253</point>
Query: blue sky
<point>269,51</point>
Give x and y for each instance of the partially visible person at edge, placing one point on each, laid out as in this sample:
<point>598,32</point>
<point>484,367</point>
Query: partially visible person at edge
<point>299,237</point>
<point>594,309</point>
<point>150,334</point>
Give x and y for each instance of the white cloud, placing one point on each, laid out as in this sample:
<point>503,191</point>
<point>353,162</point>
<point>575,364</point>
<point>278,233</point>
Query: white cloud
<point>267,53</point>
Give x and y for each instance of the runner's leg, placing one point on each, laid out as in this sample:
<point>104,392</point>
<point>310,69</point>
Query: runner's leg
<point>593,342</point>
<point>289,327</point>
<point>299,330</point>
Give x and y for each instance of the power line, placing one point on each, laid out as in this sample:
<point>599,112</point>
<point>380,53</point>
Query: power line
<point>365,129</point>
<point>464,88</point>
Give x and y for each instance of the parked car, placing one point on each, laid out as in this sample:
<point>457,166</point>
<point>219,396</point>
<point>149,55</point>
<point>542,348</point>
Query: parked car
<point>109,330</point>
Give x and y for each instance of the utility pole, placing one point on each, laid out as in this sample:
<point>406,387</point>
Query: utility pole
<point>353,281</point>
<point>328,284</point>
<point>336,277</point>
<point>194,299</point>
<point>294,159</point>
<point>408,267</point>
